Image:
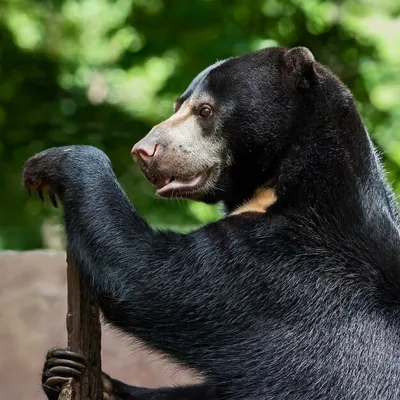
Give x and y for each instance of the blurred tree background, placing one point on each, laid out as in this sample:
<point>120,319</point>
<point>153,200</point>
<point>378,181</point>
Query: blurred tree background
<point>103,72</point>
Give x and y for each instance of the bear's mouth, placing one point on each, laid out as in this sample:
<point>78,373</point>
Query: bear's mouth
<point>175,186</point>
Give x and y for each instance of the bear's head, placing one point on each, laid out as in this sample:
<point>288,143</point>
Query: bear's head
<point>232,126</point>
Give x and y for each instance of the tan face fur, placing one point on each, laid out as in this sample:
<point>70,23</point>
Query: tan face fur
<point>181,156</point>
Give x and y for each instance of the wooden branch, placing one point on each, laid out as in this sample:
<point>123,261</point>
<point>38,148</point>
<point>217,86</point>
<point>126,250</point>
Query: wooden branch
<point>84,337</point>
<point>67,391</point>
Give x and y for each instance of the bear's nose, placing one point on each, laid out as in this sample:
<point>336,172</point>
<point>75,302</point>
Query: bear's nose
<point>144,151</point>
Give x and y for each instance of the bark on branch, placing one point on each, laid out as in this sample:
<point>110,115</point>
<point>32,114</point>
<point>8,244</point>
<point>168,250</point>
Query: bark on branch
<point>84,337</point>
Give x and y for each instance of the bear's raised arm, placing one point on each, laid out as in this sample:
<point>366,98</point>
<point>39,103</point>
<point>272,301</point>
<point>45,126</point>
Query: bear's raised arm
<point>125,261</point>
<point>170,290</point>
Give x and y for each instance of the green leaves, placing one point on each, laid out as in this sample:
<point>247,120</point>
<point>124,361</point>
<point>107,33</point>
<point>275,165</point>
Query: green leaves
<point>103,72</point>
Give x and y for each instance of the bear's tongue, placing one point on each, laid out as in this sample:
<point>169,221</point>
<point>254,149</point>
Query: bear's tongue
<point>172,183</point>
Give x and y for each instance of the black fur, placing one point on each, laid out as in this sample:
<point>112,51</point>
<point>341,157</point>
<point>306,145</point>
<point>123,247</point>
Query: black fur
<point>301,302</point>
<point>122,391</point>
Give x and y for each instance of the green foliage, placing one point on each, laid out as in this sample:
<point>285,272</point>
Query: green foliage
<point>103,72</point>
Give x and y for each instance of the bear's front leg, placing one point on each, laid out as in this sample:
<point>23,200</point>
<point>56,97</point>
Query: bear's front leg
<point>162,287</point>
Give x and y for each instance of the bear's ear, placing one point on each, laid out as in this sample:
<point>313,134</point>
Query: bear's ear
<point>299,61</point>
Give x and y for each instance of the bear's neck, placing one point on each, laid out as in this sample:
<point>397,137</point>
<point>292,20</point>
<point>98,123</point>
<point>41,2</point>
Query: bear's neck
<point>337,177</point>
<point>329,164</point>
<point>330,155</point>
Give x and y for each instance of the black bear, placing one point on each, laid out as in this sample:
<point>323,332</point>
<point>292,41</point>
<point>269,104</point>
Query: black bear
<point>295,293</point>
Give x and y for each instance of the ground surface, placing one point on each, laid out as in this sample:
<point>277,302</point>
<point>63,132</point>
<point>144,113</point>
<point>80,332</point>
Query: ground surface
<point>32,319</point>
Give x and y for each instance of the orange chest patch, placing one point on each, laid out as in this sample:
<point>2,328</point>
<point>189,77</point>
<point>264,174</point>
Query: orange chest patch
<point>262,199</point>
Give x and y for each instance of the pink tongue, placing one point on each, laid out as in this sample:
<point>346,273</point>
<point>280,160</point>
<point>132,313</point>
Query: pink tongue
<point>178,184</point>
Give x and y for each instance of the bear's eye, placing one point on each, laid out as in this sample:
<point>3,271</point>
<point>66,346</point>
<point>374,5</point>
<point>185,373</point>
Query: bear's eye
<point>205,111</point>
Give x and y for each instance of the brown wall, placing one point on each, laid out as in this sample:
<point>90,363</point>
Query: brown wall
<point>32,320</point>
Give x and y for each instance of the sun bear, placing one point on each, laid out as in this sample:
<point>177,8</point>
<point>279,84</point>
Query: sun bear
<point>295,292</point>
